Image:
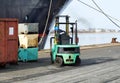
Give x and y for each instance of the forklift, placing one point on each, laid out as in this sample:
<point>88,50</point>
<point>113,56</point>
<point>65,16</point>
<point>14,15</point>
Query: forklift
<point>64,45</point>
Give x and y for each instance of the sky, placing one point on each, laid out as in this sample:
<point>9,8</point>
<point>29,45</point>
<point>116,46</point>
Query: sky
<point>90,18</point>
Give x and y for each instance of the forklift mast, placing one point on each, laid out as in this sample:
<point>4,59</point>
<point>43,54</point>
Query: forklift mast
<point>64,38</point>
<point>66,35</point>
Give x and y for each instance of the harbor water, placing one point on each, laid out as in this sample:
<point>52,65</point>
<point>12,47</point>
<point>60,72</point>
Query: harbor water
<point>91,38</point>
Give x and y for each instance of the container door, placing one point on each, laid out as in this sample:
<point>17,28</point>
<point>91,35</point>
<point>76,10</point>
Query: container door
<point>2,42</point>
<point>12,41</point>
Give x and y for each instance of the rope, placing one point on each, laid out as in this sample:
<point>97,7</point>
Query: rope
<point>105,14</point>
<point>97,10</point>
<point>46,22</point>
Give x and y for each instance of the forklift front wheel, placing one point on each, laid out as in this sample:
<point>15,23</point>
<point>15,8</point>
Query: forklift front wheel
<point>59,61</point>
<point>78,61</point>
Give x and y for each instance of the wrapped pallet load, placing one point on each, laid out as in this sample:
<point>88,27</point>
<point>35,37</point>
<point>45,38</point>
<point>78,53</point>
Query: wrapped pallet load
<point>28,42</point>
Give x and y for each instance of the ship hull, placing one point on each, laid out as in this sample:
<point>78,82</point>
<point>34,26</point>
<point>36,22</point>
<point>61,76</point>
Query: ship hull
<point>31,11</point>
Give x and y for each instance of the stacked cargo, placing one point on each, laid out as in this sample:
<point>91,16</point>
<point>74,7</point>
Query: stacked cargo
<point>28,42</point>
<point>8,41</point>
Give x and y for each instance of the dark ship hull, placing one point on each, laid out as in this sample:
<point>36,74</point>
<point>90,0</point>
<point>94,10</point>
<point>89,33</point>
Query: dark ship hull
<point>36,11</point>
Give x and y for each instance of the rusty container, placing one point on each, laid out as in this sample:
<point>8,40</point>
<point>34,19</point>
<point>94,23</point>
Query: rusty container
<point>8,41</point>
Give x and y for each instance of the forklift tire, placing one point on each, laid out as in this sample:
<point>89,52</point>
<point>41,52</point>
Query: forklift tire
<point>51,58</point>
<point>78,61</point>
<point>2,65</point>
<point>59,61</point>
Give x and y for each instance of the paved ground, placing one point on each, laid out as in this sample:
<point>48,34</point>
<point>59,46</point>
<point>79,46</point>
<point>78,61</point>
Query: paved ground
<point>99,65</point>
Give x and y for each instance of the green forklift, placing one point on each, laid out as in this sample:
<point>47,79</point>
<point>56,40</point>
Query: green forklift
<point>64,45</point>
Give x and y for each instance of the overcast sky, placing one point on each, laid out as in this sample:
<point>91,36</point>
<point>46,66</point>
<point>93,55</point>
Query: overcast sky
<point>89,18</point>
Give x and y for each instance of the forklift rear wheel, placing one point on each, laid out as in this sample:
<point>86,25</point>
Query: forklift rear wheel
<point>78,61</point>
<point>59,61</point>
<point>51,57</point>
<point>2,65</point>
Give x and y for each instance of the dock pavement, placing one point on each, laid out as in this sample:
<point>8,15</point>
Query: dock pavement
<point>100,64</point>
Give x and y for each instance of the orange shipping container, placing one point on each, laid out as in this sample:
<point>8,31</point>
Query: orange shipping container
<point>8,41</point>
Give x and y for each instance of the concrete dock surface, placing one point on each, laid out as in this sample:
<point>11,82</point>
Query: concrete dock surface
<point>100,64</point>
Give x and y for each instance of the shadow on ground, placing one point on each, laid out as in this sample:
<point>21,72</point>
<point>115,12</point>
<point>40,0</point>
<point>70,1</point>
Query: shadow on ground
<point>93,61</point>
<point>43,62</point>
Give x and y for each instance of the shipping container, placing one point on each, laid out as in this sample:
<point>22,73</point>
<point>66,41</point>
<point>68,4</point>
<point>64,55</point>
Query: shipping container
<point>8,41</point>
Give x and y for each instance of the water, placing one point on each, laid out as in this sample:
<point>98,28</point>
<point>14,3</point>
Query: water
<point>91,38</point>
<point>97,38</point>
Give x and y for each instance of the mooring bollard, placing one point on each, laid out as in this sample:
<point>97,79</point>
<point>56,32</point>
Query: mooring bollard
<point>114,40</point>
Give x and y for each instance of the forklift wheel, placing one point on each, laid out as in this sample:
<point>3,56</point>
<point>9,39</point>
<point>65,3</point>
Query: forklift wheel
<point>51,58</point>
<point>59,61</point>
<point>78,61</point>
<point>2,65</point>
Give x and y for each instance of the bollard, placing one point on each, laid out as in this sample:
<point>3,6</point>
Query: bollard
<point>114,40</point>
